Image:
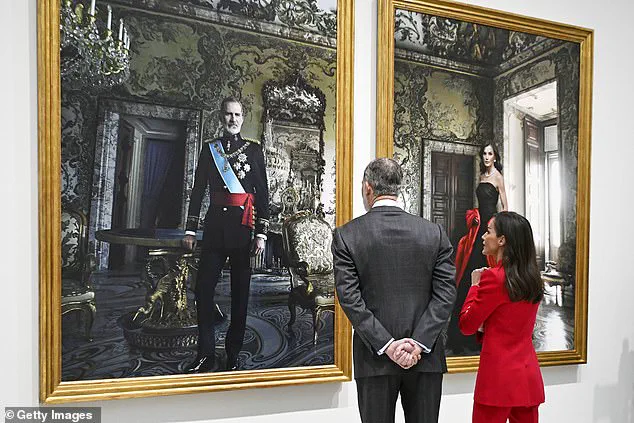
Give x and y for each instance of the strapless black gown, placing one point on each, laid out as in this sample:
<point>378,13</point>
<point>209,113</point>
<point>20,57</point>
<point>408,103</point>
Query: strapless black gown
<point>487,206</point>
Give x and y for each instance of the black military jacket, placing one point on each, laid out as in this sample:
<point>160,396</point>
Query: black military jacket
<point>223,224</point>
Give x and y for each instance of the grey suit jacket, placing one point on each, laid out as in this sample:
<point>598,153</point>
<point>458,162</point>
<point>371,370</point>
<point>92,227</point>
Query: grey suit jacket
<point>395,279</point>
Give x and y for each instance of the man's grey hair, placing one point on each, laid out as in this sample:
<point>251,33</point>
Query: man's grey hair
<point>384,176</point>
<point>228,100</point>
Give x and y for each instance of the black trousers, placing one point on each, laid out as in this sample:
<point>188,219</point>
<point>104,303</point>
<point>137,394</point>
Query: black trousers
<point>420,397</point>
<point>209,273</point>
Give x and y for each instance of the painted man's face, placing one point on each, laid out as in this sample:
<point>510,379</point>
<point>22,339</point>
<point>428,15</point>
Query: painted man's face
<point>232,118</point>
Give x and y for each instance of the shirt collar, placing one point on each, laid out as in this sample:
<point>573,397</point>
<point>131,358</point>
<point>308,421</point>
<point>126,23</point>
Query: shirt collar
<point>386,202</point>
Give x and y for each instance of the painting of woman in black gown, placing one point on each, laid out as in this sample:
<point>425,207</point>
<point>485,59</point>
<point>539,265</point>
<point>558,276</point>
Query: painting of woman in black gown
<point>469,96</point>
<point>489,192</point>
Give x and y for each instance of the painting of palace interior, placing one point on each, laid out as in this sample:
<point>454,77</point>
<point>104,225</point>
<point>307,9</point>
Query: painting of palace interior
<point>131,139</point>
<point>461,86</point>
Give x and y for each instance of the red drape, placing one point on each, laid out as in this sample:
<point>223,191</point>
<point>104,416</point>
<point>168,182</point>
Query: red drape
<point>465,245</point>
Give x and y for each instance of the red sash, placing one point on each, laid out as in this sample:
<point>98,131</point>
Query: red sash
<point>245,200</point>
<point>465,245</point>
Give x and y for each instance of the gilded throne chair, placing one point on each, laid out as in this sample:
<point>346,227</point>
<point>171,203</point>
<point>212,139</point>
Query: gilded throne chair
<point>306,240</point>
<point>77,265</point>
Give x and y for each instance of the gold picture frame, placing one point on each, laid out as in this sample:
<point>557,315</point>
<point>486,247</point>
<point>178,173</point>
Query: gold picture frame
<point>470,14</point>
<point>52,388</point>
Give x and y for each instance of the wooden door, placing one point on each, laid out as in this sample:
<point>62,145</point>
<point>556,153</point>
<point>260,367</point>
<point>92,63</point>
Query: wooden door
<point>452,192</point>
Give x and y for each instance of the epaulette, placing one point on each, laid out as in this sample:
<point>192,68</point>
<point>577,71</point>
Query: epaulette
<point>254,141</point>
<point>208,140</point>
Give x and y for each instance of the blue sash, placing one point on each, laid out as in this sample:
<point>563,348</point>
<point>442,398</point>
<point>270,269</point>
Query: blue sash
<point>228,176</point>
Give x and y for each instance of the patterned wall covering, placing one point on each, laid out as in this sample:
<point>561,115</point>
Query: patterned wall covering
<point>437,105</point>
<point>191,65</point>
<point>79,125</point>
<point>561,64</point>
<point>300,14</point>
<point>453,111</point>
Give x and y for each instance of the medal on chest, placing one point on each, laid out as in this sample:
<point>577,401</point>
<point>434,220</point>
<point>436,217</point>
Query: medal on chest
<point>239,157</point>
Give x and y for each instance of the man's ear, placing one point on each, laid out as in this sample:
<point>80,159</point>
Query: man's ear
<point>367,189</point>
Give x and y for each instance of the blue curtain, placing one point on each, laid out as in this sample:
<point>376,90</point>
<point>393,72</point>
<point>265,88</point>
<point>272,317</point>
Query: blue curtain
<point>158,159</point>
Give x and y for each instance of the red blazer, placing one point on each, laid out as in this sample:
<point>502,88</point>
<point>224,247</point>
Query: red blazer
<point>509,374</point>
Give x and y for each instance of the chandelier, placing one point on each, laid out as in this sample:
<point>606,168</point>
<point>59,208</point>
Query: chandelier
<point>90,55</point>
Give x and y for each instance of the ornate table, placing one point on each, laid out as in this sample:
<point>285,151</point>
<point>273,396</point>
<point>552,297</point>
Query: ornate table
<point>166,320</point>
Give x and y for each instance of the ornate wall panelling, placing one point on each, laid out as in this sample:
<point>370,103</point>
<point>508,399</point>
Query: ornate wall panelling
<point>295,148</point>
<point>434,104</point>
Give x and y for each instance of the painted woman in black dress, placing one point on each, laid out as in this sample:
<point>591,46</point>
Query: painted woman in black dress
<point>489,191</point>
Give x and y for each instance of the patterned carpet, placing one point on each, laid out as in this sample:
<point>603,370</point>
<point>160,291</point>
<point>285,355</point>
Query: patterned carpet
<point>268,343</point>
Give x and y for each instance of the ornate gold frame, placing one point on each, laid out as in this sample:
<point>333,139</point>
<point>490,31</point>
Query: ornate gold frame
<point>496,18</point>
<point>52,389</point>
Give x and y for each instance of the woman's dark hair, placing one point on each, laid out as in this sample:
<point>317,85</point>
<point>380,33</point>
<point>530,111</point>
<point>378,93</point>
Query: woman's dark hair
<point>523,281</point>
<point>496,154</point>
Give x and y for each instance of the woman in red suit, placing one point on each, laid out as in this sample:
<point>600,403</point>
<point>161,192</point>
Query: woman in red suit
<point>501,308</point>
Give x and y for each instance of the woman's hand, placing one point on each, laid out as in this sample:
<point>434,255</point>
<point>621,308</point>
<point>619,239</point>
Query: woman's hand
<point>475,276</point>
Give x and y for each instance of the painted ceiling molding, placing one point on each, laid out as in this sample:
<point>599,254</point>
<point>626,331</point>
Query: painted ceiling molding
<point>464,46</point>
<point>301,20</point>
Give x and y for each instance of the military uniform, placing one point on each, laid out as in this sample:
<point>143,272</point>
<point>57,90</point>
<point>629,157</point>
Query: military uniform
<point>228,232</point>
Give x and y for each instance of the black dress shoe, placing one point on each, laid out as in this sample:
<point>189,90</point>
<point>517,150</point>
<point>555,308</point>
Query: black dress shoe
<point>202,364</point>
<point>232,364</point>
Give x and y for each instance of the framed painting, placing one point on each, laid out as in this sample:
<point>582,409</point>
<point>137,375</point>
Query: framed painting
<point>187,151</point>
<point>458,82</point>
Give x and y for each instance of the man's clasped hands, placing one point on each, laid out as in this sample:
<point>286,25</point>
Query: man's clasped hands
<point>404,352</point>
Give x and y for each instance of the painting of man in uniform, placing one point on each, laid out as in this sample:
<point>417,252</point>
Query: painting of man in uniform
<point>193,171</point>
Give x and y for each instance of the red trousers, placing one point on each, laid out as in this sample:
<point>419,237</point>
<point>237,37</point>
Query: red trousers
<point>490,414</point>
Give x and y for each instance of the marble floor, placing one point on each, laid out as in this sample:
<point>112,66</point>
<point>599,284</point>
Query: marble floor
<point>268,342</point>
<point>554,327</point>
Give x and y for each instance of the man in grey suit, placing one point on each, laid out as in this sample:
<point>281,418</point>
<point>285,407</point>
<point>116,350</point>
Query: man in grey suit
<point>395,282</point>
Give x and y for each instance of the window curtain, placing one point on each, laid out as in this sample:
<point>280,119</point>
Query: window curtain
<point>158,159</point>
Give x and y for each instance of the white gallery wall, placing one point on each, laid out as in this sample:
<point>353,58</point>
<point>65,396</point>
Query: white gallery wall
<point>601,391</point>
